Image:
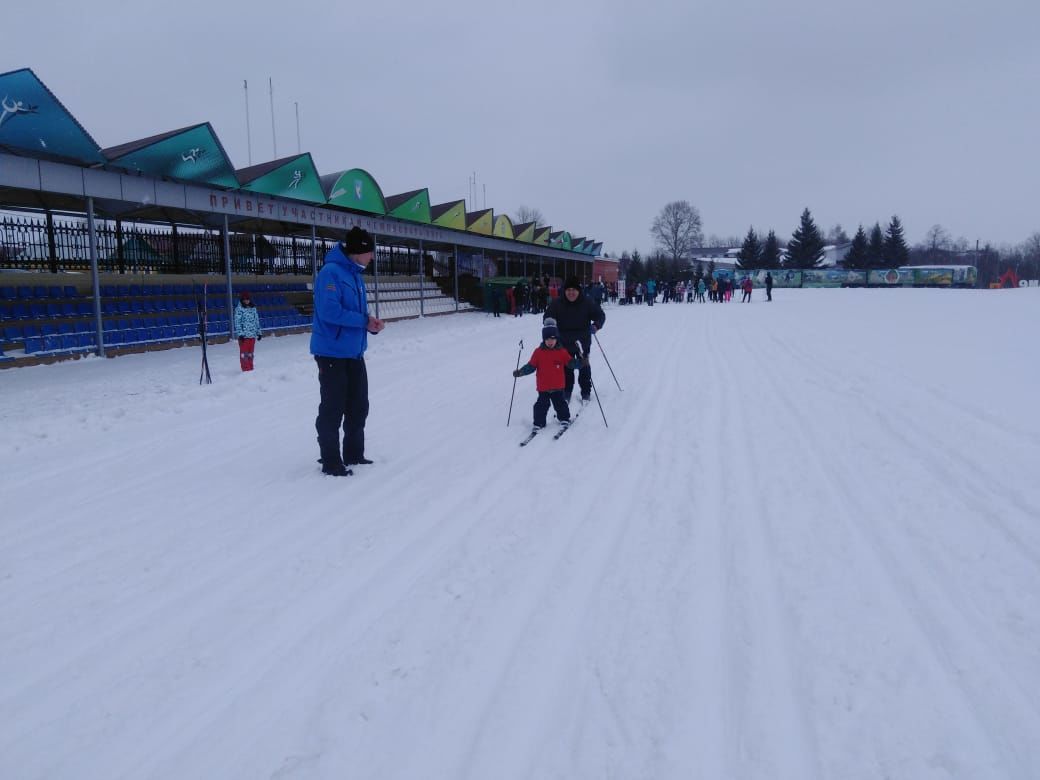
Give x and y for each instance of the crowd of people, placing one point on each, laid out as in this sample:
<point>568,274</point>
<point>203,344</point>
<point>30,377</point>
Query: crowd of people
<point>535,295</point>
<point>700,289</point>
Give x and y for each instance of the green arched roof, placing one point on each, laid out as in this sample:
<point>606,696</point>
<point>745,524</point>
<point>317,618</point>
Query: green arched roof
<point>354,189</point>
<point>503,227</point>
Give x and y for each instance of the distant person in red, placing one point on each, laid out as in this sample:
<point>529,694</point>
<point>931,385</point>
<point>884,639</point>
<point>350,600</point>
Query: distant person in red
<point>547,363</point>
<point>511,300</point>
<point>746,286</point>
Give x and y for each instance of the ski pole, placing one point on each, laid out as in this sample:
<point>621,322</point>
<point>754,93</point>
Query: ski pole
<point>596,393</point>
<point>518,352</point>
<point>581,354</point>
<point>607,362</point>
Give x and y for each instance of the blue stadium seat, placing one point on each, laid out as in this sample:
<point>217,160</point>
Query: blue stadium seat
<point>8,293</point>
<point>38,311</point>
<point>25,293</point>
<point>39,291</point>
<point>68,309</point>
<point>123,291</point>
<point>12,334</point>
<point>54,292</point>
<point>70,291</point>
<point>135,289</point>
<point>30,331</point>
<point>69,341</point>
<point>20,311</point>
<point>65,328</point>
<point>48,330</point>
<point>52,343</point>
<point>84,308</point>
<point>33,344</point>
<point>53,309</point>
<point>6,312</point>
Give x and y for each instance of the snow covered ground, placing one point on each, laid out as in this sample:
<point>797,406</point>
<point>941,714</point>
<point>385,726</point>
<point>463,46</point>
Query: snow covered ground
<point>807,546</point>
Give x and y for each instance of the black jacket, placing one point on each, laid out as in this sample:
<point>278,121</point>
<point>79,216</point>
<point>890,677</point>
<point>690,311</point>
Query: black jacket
<point>574,319</point>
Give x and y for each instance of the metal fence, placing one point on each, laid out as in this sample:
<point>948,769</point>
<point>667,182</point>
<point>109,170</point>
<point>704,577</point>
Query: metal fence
<point>49,244</point>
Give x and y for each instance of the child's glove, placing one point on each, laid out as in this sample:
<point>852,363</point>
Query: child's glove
<point>518,373</point>
<point>259,336</point>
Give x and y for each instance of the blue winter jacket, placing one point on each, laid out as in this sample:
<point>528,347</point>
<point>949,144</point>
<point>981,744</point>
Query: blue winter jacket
<point>247,322</point>
<point>339,328</point>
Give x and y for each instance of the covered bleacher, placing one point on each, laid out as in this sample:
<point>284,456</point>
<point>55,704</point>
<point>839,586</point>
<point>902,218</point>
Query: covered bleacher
<point>107,250</point>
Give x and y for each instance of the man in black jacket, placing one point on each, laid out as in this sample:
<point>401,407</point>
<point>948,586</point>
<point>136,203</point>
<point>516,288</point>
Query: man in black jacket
<point>577,318</point>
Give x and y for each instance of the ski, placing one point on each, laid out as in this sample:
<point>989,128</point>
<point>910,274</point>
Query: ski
<point>567,427</point>
<point>527,440</point>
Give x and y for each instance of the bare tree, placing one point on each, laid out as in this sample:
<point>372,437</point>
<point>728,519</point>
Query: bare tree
<point>677,229</point>
<point>526,214</point>
<point>837,235</point>
<point>937,238</point>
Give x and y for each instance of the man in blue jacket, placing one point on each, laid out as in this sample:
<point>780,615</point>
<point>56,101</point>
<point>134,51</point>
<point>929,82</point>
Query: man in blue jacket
<point>339,337</point>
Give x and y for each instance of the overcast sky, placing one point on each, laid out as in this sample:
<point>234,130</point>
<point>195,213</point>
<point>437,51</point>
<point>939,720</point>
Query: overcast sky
<point>596,113</point>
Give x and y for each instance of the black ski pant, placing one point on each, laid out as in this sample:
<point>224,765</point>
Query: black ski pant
<point>584,373</point>
<point>344,401</point>
<point>769,293</point>
<point>559,404</point>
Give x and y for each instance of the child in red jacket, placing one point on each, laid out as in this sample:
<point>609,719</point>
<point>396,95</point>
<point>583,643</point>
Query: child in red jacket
<point>547,363</point>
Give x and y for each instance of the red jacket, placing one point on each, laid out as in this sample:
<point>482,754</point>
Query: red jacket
<point>548,365</point>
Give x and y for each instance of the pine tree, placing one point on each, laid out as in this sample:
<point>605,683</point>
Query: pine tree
<point>770,257</point>
<point>750,251</point>
<point>805,249</point>
<point>636,270</point>
<point>858,257</point>
<point>897,253</point>
<point>876,247</point>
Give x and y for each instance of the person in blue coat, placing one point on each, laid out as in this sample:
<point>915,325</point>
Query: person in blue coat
<point>339,338</point>
<point>247,329</point>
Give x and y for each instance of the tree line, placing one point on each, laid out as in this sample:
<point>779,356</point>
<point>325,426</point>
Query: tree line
<point>677,233</point>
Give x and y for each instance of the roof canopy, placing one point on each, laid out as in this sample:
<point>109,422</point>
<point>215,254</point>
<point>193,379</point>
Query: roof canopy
<point>450,215</point>
<point>33,121</point>
<point>290,177</point>
<point>480,221</point>
<point>192,154</point>
<point>354,189</point>
<point>413,206</point>
<point>35,125</point>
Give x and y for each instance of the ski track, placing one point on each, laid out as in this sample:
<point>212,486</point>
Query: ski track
<point>957,653</point>
<point>665,598</point>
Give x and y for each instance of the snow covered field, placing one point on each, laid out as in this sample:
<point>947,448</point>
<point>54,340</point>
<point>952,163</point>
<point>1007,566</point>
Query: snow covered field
<point>807,546</point>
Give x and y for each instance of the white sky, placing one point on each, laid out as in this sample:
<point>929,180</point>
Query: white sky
<point>595,113</point>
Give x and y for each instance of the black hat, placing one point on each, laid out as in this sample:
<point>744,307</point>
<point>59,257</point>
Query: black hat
<point>358,241</point>
<point>572,283</point>
<point>550,332</point>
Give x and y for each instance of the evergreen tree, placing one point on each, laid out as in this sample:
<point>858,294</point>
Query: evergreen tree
<point>805,249</point>
<point>750,251</point>
<point>770,258</point>
<point>858,257</point>
<point>636,269</point>
<point>897,253</point>
<point>876,247</point>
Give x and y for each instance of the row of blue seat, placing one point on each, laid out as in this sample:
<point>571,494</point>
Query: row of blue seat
<point>85,307</point>
<point>57,292</point>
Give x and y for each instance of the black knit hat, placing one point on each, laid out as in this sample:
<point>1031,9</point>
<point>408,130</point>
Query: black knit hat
<point>572,283</point>
<point>358,241</point>
<point>550,332</point>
